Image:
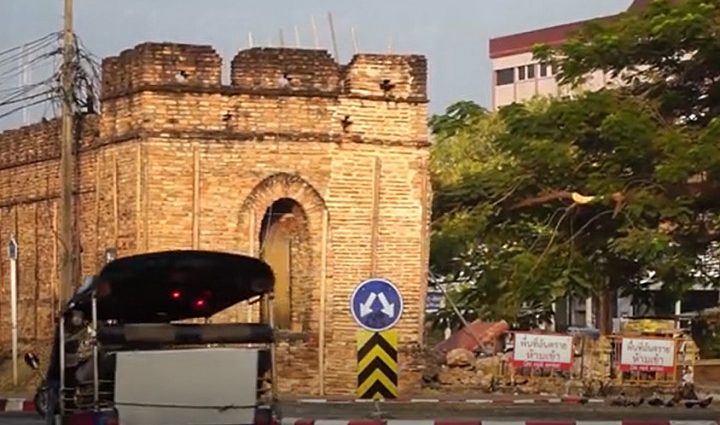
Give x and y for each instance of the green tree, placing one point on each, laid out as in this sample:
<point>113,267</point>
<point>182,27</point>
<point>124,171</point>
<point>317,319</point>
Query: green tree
<point>644,155</point>
<point>467,167</point>
<point>462,152</point>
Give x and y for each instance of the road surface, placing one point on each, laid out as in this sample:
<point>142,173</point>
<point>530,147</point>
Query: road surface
<point>20,419</point>
<point>501,412</point>
<point>465,411</point>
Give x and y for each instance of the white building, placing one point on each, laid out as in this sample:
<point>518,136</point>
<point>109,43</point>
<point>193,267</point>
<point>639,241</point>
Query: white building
<point>517,77</point>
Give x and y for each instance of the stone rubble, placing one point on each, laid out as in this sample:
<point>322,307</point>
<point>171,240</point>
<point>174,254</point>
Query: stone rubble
<point>461,371</point>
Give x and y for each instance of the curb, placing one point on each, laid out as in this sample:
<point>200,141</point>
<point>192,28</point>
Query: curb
<point>16,405</point>
<point>488,422</point>
<point>557,400</point>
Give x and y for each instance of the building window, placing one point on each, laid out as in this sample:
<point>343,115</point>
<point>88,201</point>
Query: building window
<point>548,70</point>
<point>504,76</point>
<point>544,69</point>
<point>521,73</point>
<point>531,71</point>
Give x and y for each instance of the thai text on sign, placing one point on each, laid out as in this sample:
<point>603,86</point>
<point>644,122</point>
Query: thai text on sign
<point>647,354</point>
<point>546,351</point>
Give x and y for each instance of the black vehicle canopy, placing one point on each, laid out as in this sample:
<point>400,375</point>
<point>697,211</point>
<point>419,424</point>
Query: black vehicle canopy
<point>167,286</point>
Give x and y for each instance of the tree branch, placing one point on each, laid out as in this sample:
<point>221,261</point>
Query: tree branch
<point>704,191</point>
<point>542,199</point>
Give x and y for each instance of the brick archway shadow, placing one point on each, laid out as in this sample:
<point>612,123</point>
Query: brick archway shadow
<point>306,271</point>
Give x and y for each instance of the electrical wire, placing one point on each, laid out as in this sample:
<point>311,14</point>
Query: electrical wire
<point>30,43</point>
<point>14,100</point>
<point>42,54</point>
<point>15,61</point>
<point>21,107</point>
<point>32,65</point>
<point>87,77</point>
<point>35,56</point>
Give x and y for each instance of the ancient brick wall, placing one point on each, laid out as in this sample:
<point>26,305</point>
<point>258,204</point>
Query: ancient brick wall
<point>177,160</point>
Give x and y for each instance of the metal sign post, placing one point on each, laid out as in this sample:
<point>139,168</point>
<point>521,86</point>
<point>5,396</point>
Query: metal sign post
<point>13,256</point>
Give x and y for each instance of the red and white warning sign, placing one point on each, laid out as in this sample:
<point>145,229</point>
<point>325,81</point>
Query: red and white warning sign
<point>647,354</point>
<point>541,350</point>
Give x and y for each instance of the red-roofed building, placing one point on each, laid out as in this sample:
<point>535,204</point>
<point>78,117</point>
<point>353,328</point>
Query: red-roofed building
<point>518,77</point>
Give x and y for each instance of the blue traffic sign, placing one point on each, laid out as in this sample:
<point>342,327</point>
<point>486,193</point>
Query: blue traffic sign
<point>434,300</point>
<point>376,305</point>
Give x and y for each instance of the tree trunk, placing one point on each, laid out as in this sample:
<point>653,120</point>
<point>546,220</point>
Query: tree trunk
<point>605,300</point>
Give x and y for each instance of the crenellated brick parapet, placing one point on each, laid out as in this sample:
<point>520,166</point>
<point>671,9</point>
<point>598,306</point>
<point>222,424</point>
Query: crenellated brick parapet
<point>153,88</point>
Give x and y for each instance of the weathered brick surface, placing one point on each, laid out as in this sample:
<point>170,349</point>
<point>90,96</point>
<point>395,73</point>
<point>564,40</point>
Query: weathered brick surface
<point>185,162</point>
<point>298,69</point>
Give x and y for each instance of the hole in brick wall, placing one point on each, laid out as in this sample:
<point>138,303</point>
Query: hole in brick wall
<point>345,122</point>
<point>181,76</point>
<point>284,80</point>
<point>227,116</point>
<point>386,85</point>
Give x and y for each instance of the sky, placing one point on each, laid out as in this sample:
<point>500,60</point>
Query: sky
<point>452,34</point>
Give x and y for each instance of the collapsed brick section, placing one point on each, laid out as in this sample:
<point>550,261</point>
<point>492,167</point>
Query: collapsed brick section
<point>177,160</point>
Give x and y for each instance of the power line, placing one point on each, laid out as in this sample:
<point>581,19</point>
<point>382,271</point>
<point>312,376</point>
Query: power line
<point>20,108</point>
<point>35,56</point>
<point>31,65</point>
<point>15,99</point>
<point>10,63</point>
<point>30,43</point>
<point>41,55</point>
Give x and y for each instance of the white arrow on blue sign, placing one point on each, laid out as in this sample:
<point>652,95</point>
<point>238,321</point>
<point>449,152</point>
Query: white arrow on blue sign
<point>376,305</point>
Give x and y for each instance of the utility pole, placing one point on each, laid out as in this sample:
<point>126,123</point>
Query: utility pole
<point>67,239</point>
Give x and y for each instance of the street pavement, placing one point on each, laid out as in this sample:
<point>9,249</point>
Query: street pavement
<point>545,413</point>
<point>499,412</point>
<point>20,419</point>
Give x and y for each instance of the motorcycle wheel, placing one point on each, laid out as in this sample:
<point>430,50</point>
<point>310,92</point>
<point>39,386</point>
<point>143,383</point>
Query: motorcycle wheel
<point>40,401</point>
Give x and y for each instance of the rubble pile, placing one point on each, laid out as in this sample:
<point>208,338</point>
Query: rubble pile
<point>460,370</point>
<point>479,358</point>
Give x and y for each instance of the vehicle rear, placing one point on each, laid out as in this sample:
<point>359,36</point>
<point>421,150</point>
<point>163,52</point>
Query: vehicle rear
<point>138,348</point>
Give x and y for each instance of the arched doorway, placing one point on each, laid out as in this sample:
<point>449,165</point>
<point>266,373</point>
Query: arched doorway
<point>284,242</point>
<point>286,222</point>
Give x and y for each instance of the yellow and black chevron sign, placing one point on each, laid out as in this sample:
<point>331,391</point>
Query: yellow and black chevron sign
<point>377,364</point>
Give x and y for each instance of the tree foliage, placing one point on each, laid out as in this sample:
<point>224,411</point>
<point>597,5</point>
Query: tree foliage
<point>644,157</point>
